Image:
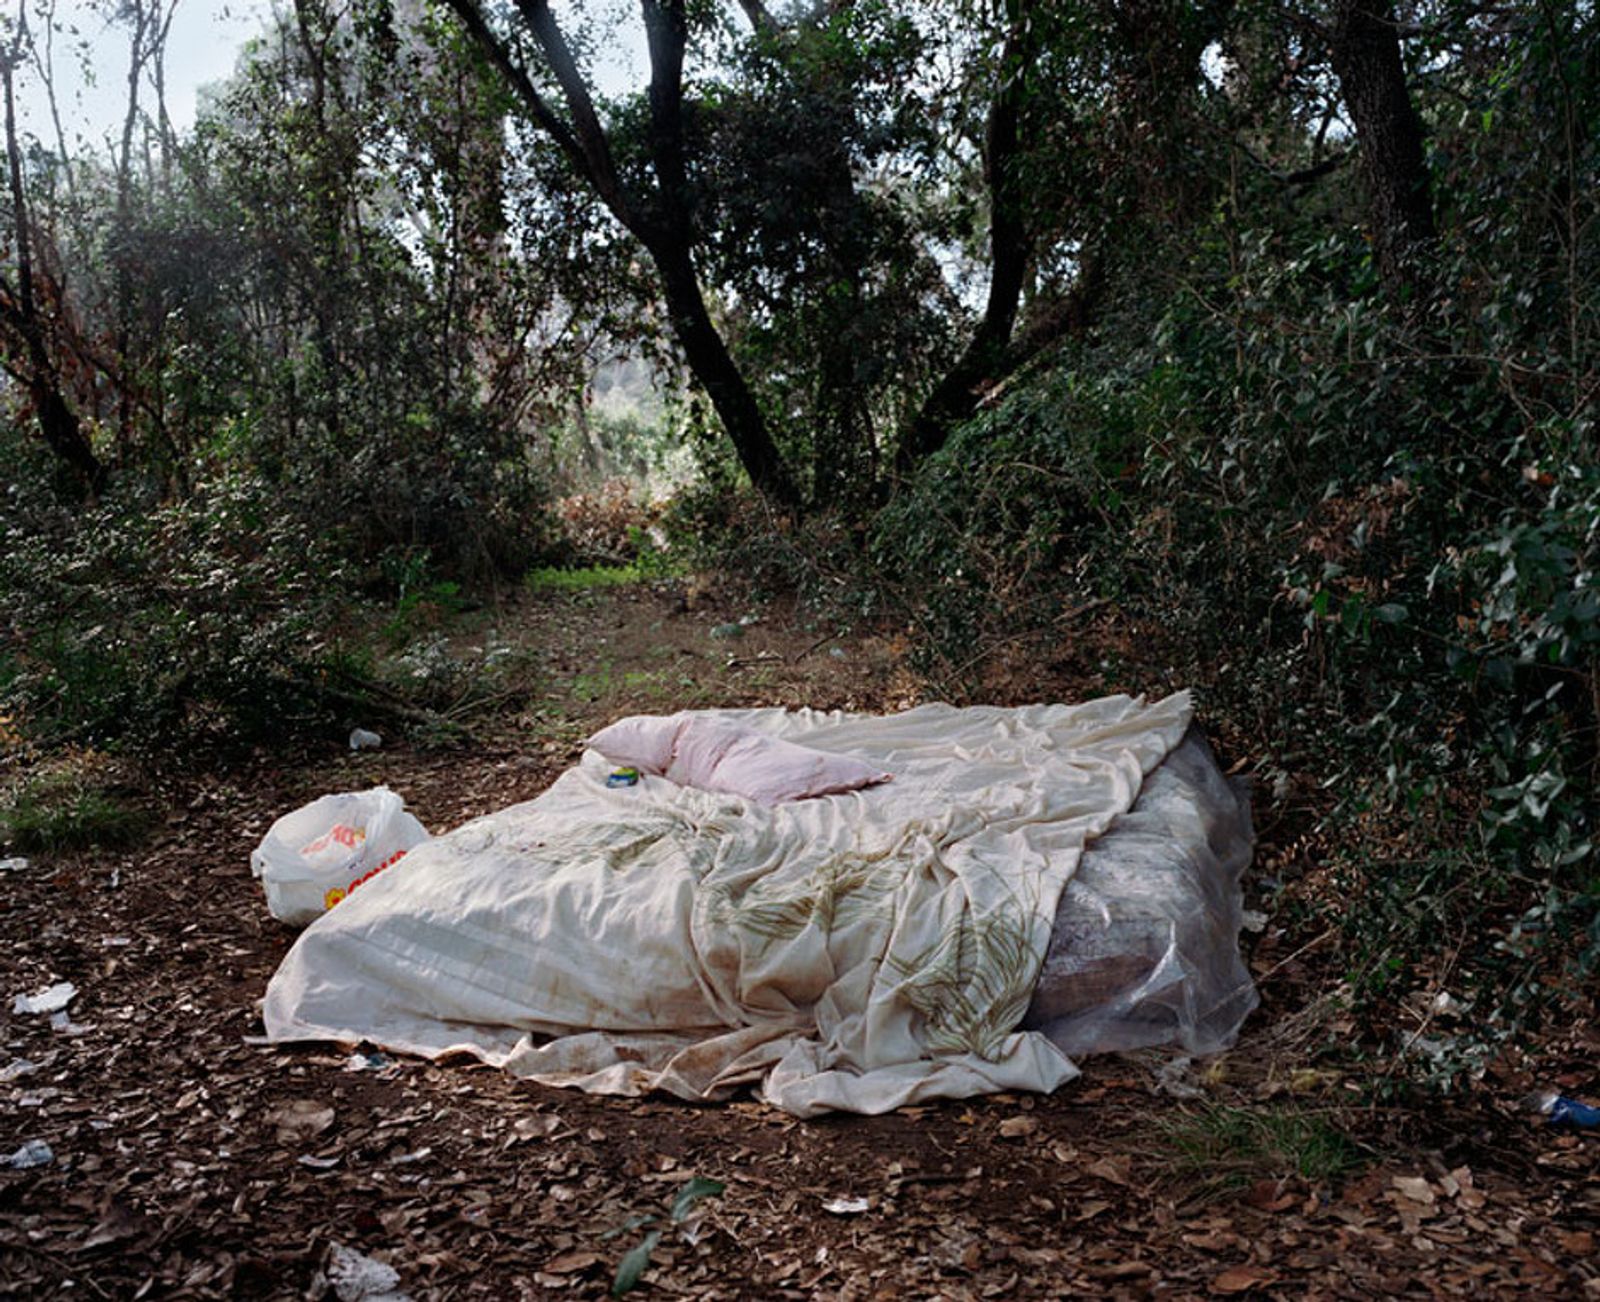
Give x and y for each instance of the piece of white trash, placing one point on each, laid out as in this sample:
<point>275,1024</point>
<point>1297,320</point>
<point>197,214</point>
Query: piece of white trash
<point>356,1277</point>
<point>16,1070</point>
<point>52,999</point>
<point>362,739</point>
<point>33,1153</point>
<point>846,1206</point>
<point>16,864</point>
<point>62,1024</point>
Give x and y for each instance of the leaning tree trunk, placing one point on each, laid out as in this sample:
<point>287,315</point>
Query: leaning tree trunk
<point>713,366</point>
<point>955,397</point>
<point>1366,59</point>
<point>659,220</point>
<point>59,426</point>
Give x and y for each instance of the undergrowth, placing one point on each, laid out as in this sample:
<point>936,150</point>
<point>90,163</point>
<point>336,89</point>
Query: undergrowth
<point>65,809</point>
<point>1218,1150</point>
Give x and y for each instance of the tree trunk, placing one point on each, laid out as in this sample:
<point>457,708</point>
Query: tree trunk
<point>713,366</point>
<point>662,224</point>
<point>956,396</point>
<point>58,423</point>
<point>1366,59</point>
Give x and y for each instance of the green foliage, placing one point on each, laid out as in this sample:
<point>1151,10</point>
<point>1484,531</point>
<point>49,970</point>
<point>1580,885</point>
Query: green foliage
<point>64,809</point>
<point>584,579</point>
<point>631,1268</point>
<point>206,619</point>
<point>1368,524</point>
<point>1220,1149</point>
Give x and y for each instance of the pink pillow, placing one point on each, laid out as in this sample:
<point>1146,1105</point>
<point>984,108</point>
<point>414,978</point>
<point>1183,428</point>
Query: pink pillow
<point>722,757</point>
<point>715,756</point>
<point>644,741</point>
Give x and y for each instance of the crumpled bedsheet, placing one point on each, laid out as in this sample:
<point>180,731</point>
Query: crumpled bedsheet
<point>855,952</point>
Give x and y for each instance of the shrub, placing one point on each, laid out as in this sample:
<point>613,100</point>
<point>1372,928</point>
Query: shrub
<point>206,620</point>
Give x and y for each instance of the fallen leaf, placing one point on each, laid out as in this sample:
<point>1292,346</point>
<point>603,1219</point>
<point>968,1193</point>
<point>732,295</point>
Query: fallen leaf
<point>1214,1241</point>
<point>1270,1196</point>
<point>1241,1279</point>
<point>570,1263</point>
<point>1109,1169</point>
<point>1415,1188</point>
<point>119,1222</point>
<point>1119,1270</point>
<point>1018,1127</point>
<point>299,1120</point>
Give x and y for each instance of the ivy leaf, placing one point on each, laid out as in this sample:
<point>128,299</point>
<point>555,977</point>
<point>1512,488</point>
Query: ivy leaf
<point>691,1193</point>
<point>634,1264</point>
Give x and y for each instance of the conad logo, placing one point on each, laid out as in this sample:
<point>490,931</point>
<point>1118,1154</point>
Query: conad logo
<point>337,893</point>
<point>338,834</point>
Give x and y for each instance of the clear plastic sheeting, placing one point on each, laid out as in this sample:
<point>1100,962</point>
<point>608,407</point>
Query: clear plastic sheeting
<point>1145,945</point>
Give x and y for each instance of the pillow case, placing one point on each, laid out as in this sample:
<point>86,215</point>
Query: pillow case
<point>715,756</point>
<point>642,741</point>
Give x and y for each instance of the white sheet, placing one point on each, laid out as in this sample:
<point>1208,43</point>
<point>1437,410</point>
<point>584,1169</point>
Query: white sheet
<point>855,951</point>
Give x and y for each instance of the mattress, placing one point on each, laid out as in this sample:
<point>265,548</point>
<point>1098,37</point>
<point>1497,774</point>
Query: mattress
<point>941,935</point>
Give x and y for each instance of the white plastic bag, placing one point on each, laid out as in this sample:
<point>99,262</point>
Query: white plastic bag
<point>311,859</point>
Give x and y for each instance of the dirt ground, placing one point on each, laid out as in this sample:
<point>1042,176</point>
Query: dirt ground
<point>186,1162</point>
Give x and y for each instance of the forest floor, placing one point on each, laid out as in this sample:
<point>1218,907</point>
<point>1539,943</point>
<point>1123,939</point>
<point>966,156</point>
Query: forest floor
<point>186,1162</point>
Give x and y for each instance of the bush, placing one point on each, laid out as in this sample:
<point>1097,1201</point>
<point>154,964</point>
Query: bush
<point>1368,525</point>
<point>206,620</point>
<point>68,808</point>
<point>604,527</point>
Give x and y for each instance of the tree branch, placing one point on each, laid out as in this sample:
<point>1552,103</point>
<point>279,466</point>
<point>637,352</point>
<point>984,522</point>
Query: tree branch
<point>955,397</point>
<point>591,136</point>
<point>761,19</point>
<point>547,119</point>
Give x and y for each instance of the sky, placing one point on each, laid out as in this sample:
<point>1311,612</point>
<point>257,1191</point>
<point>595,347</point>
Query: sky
<point>204,43</point>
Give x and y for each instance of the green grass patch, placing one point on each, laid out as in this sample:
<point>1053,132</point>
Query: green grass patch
<point>588,578</point>
<point>1223,1148</point>
<point>62,811</point>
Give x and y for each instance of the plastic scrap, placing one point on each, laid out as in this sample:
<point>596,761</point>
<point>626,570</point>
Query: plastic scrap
<point>33,1153</point>
<point>364,739</point>
<point>311,859</point>
<point>52,999</point>
<point>373,1061</point>
<point>624,777</point>
<point>62,1024</point>
<point>356,1277</point>
<point>1176,1080</point>
<point>16,864</point>
<point>1559,1110</point>
<point>1142,952</point>
<point>846,1206</point>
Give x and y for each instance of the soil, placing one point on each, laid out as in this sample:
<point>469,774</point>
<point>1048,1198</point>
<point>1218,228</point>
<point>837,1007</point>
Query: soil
<point>187,1162</point>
